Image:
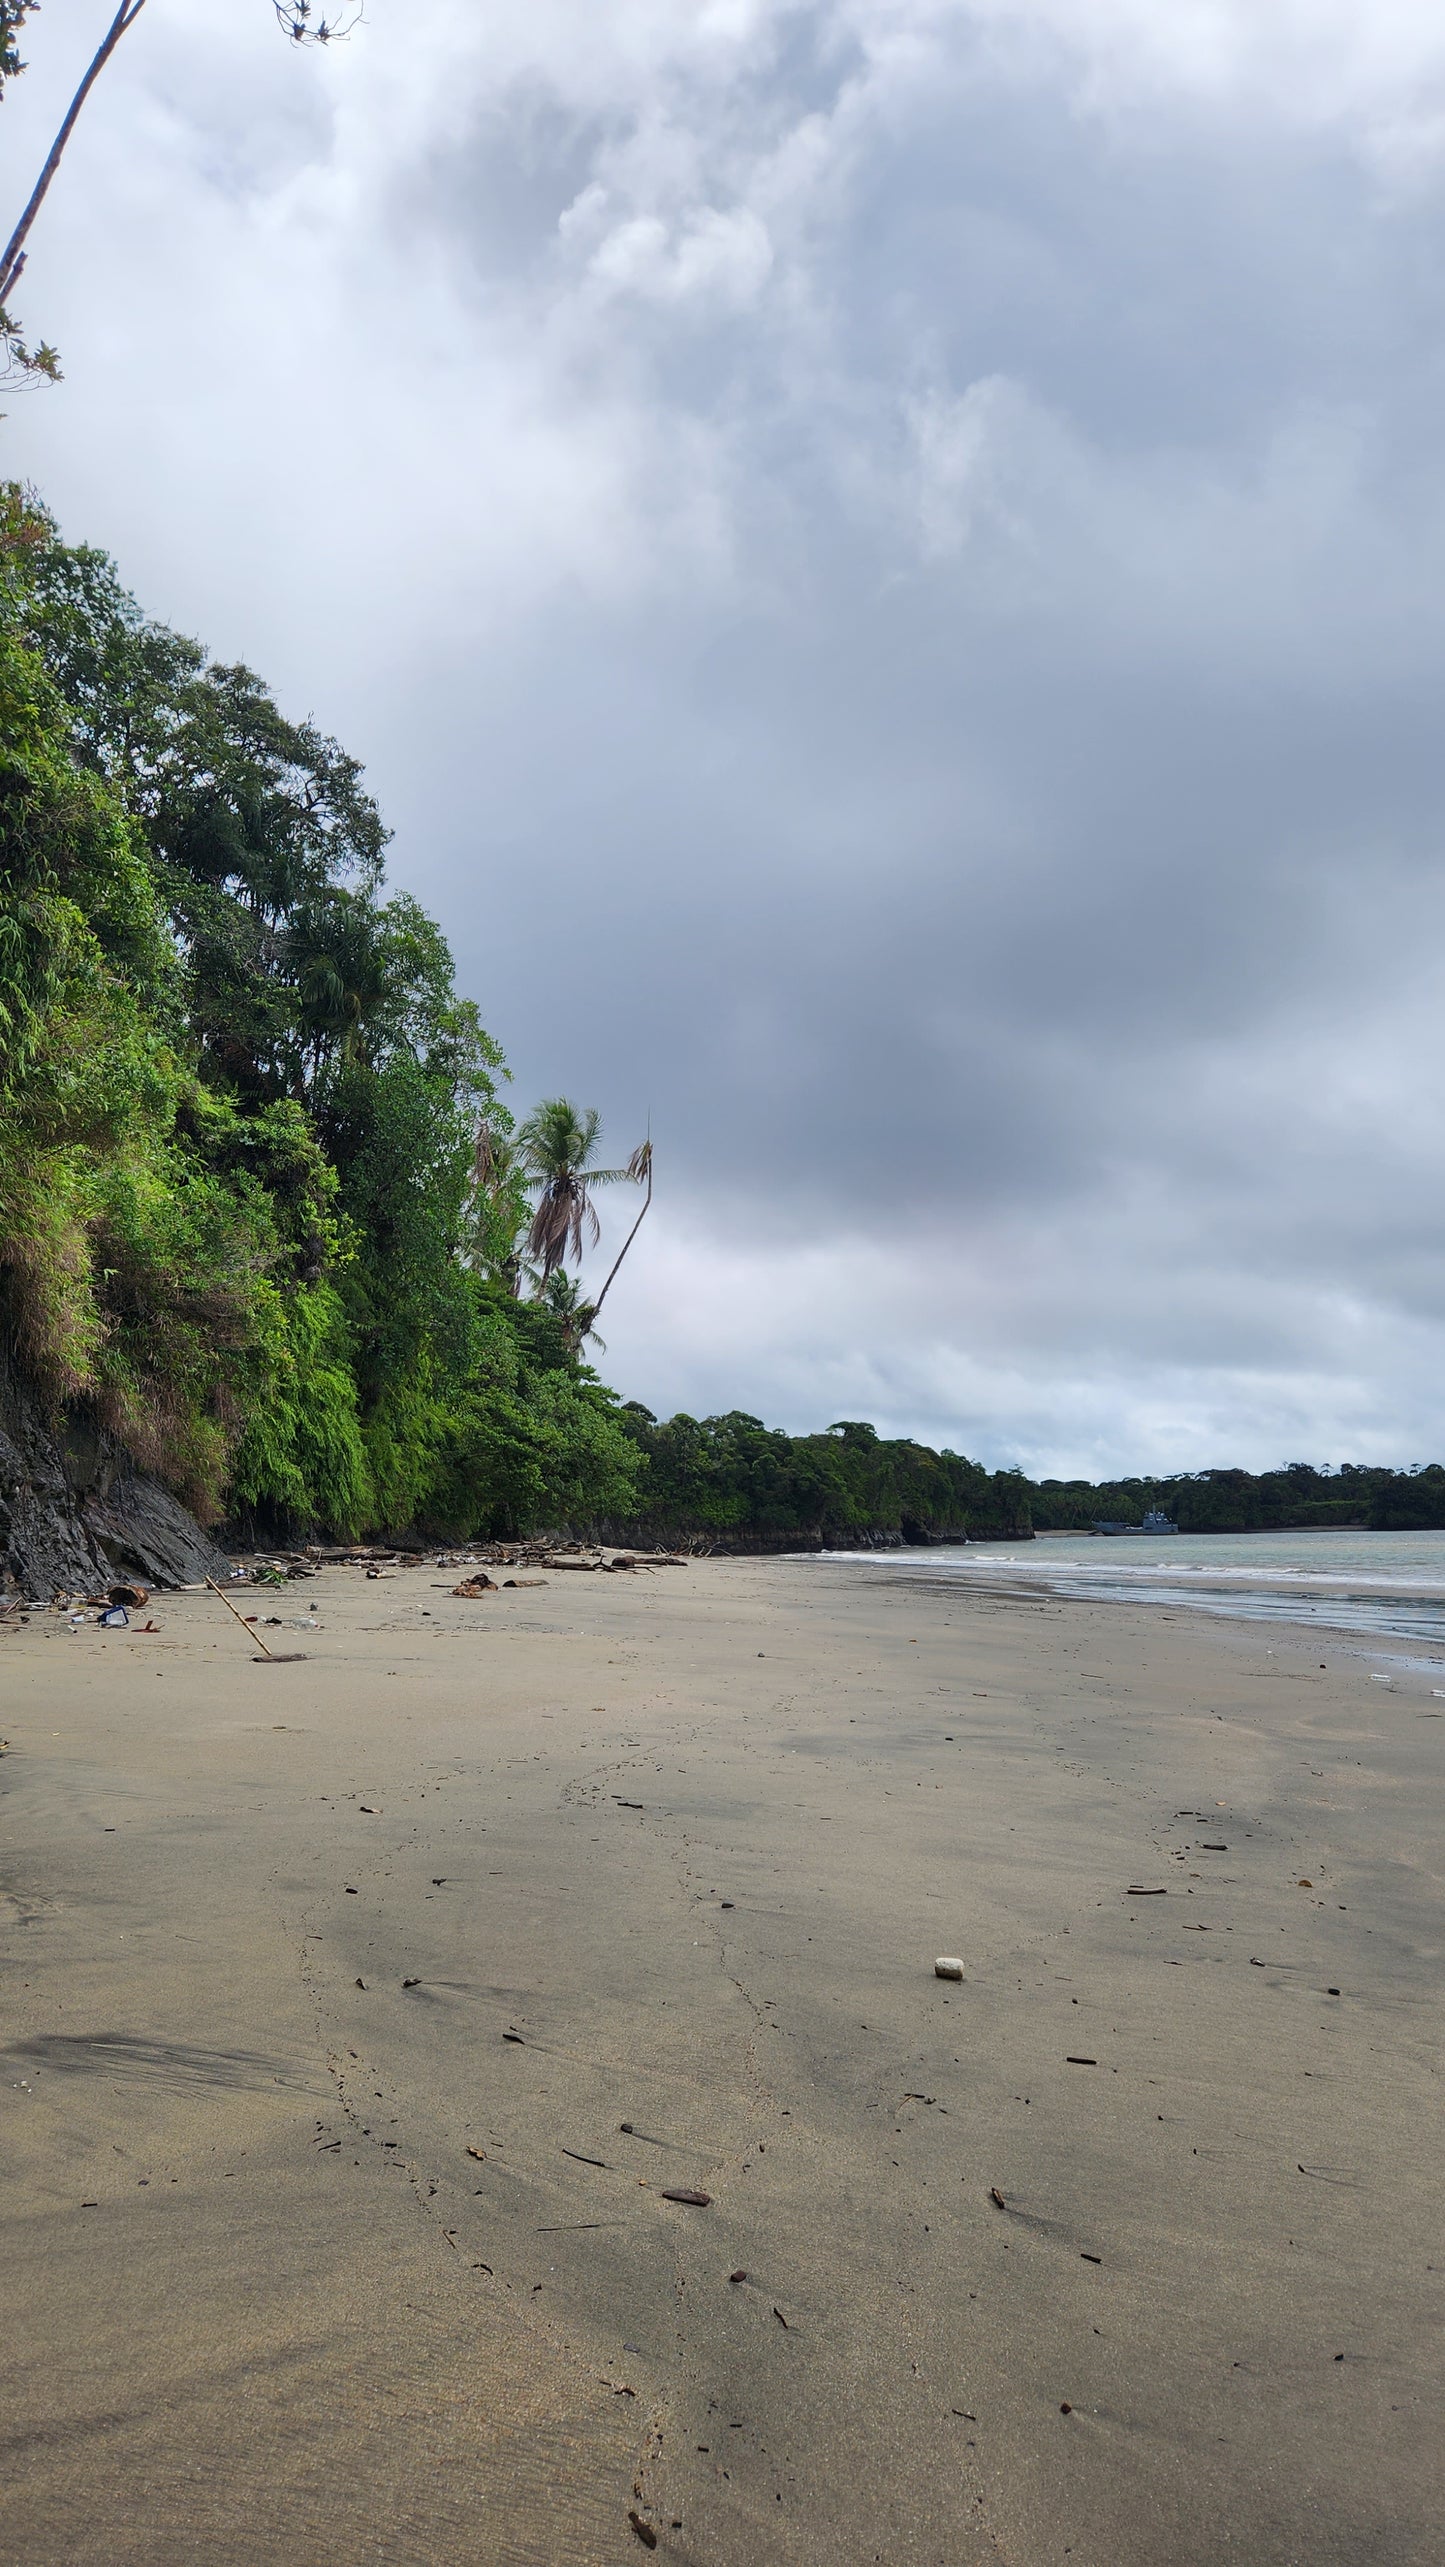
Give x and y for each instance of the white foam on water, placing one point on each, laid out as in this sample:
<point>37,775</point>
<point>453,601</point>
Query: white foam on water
<point>1386,1584</point>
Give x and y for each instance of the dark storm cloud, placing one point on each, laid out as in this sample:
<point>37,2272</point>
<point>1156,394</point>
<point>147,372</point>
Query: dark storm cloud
<point>888,564</point>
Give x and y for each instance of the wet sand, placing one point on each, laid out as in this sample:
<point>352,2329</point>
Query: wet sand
<point>304,2259</point>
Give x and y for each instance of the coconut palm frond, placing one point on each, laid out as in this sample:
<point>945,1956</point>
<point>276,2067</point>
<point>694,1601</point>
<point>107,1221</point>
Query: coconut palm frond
<point>556,1147</point>
<point>563,1295</point>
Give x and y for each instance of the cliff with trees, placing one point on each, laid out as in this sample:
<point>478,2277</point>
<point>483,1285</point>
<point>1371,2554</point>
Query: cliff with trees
<point>275,1257</point>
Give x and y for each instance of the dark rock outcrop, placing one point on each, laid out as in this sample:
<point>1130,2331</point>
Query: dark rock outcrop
<point>77,1512</point>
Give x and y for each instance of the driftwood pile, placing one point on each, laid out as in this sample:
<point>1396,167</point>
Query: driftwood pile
<point>540,1555</point>
<point>381,1560</point>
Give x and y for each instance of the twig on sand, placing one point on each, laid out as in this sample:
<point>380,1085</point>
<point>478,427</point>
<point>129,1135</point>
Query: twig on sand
<point>280,1658</point>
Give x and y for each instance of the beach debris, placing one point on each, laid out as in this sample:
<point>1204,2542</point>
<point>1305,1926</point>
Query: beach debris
<point>996,2196</point>
<point>350,1892</point>
<point>115,1618</point>
<point>946,1967</point>
<point>687,2193</point>
<point>1134,1892</point>
<point>1086,2258</point>
<point>740,2275</point>
<point>629,1804</point>
<point>782,2321</point>
<point>644,2530</point>
<point>1304,1885</point>
<point>478,1584</point>
<point>480,2155</point>
<point>133,1596</point>
<point>515,2036</point>
<point>1076,2059</point>
<point>411,1983</point>
<point>727,1902</point>
<point>579,2160</point>
<point>1206,1847</point>
<point>361,1983</point>
<point>1064,2407</point>
<point>288,1657</point>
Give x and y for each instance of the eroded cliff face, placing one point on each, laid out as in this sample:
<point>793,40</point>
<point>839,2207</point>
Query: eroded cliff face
<point>76,1511</point>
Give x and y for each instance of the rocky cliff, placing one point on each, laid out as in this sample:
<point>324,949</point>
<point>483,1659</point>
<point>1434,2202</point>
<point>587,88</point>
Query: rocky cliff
<point>76,1512</point>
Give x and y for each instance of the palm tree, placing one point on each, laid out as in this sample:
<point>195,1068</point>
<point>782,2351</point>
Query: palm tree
<point>563,1295</point>
<point>555,1148</point>
<point>639,1169</point>
<point>499,1209</point>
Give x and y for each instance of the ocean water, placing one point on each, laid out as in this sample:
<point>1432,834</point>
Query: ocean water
<point>1382,1586</point>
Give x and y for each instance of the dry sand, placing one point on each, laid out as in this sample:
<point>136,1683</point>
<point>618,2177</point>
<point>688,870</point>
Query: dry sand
<point>298,2270</point>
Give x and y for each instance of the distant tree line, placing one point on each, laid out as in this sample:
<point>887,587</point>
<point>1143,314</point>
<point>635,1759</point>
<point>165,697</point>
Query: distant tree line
<point>735,1483</point>
<point>1296,1496</point>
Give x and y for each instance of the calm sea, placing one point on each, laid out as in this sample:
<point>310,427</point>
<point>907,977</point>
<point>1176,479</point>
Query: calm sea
<point>1381,1585</point>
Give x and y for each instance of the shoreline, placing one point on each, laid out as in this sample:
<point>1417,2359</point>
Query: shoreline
<point>300,2267</point>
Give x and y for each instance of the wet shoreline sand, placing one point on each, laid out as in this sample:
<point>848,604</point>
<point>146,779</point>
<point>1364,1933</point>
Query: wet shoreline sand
<point>300,2269</point>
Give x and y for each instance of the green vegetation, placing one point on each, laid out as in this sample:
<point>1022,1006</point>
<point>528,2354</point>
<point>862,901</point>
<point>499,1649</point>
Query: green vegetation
<point>260,1207</point>
<point>734,1480</point>
<point>1294,1497</point>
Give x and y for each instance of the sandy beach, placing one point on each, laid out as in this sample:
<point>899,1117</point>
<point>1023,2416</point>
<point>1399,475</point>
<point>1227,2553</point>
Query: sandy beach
<point>361,2013</point>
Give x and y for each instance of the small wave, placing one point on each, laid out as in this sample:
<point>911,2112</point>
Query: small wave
<point>1391,1599</point>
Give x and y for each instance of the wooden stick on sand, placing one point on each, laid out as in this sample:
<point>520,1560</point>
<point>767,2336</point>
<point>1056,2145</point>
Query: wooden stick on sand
<point>277,1659</point>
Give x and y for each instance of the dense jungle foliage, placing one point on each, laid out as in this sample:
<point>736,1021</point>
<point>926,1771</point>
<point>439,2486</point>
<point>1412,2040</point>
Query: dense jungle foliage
<point>259,1205</point>
<point>732,1479</point>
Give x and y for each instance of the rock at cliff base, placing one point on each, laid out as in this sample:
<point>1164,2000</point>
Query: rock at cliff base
<point>77,1512</point>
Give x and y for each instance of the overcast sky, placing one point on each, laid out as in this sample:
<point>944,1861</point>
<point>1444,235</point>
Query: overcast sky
<point>886,560</point>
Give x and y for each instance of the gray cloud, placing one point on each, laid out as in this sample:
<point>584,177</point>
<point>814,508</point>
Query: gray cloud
<point>887,562</point>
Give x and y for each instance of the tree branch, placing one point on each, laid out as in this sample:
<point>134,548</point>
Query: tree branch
<point>13,257</point>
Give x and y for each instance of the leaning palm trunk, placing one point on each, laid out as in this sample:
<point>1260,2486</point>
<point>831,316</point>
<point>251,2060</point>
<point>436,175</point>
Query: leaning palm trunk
<point>12,257</point>
<point>638,1167</point>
